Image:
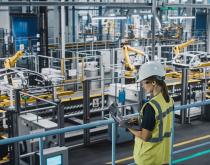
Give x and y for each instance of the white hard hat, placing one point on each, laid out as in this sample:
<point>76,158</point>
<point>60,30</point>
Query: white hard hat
<point>151,68</point>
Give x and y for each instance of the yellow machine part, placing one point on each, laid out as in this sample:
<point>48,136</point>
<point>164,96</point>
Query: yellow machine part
<point>173,75</point>
<point>178,49</point>
<point>11,61</point>
<point>131,68</point>
<point>204,64</point>
<point>4,102</point>
<point>2,97</point>
<point>64,93</point>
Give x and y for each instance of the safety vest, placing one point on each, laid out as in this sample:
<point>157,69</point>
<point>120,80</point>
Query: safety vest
<point>156,151</point>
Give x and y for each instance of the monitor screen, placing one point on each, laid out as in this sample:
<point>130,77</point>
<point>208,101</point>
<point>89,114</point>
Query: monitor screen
<point>55,160</point>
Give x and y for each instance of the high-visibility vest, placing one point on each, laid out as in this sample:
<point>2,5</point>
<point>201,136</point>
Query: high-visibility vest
<point>156,151</point>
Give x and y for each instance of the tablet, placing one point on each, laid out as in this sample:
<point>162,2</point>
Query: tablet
<point>123,122</point>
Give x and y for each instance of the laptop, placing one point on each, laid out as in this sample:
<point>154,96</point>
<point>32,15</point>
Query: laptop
<point>122,121</point>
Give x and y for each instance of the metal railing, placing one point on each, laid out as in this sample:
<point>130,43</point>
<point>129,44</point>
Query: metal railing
<point>107,122</point>
<point>61,131</point>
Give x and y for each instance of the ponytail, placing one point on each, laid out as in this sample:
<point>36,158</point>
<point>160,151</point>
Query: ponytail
<point>164,90</point>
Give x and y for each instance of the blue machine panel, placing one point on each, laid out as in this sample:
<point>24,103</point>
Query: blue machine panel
<point>24,30</point>
<point>200,25</point>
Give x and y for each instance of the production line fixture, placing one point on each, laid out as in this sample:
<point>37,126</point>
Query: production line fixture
<point>191,59</point>
<point>132,91</point>
<point>132,65</point>
<point>132,99</point>
<point>72,104</point>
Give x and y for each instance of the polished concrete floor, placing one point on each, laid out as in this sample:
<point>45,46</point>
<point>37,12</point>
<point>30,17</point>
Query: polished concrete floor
<point>99,153</point>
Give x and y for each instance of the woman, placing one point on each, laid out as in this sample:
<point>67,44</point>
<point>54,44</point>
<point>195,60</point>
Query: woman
<point>152,143</point>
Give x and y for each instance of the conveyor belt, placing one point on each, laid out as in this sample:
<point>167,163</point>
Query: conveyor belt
<point>176,81</point>
<point>79,95</point>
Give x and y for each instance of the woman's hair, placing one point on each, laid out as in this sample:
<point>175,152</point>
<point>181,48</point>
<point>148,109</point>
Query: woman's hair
<point>160,81</point>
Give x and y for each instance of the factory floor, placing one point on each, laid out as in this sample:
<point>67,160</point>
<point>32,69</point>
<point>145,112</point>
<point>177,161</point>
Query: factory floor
<point>185,136</point>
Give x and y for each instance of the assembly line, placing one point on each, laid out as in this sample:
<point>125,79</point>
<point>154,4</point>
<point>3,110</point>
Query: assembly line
<point>104,82</point>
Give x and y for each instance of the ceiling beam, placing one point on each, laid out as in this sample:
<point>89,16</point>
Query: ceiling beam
<point>66,3</point>
<point>187,5</point>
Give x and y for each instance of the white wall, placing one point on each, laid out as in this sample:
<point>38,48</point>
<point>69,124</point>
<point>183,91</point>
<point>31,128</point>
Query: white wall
<point>4,18</point>
<point>53,24</point>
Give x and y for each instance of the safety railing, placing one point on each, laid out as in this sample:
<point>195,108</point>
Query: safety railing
<point>61,131</point>
<point>184,107</point>
<point>107,122</point>
<point>176,161</point>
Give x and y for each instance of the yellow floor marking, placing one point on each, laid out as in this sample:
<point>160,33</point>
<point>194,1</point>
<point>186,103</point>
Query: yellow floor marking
<point>122,160</point>
<point>175,145</point>
<point>191,141</point>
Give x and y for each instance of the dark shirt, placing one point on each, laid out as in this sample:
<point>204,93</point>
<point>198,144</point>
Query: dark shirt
<point>148,119</point>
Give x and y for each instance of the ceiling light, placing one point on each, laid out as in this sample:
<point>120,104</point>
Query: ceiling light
<point>181,17</point>
<point>109,17</point>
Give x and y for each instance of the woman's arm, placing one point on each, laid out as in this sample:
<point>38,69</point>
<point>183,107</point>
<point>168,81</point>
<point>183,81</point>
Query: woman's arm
<point>144,134</point>
<point>148,124</point>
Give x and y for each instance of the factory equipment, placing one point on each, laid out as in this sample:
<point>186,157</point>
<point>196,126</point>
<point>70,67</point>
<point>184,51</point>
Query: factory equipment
<point>171,31</point>
<point>53,75</point>
<point>73,104</point>
<point>133,94</point>
<point>54,156</point>
<point>132,65</point>
<point>30,124</point>
<point>136,26</point>
<point>109,29</point>
<point>14,77</point>
<point>4,151</point>
<point>191,59</point>
<point>179,48</point>
<point>186,59</point>
<point>131,97</point>
<point>92,71</point>
<point>10,62</point>
<point>20,78</point>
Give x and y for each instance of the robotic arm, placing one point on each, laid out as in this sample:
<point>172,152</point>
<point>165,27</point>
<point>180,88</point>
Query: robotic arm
<point>128,64</point>
<point>177,49</point>
<point>179,31</point>
<point>11,61</point>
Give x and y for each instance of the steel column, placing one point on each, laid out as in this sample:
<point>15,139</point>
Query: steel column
<point>208,31</point>
<point>60,120</point>
<point>73,23</point>
<point>43,30</point>
<point>16,149</point>
<point>100,32</point>
<point>153,28</point>
<point>63,25</point>
<point>184,94</point>
<point>86,107</point>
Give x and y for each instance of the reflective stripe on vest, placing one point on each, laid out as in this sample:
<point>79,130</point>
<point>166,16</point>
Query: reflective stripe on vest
<point>170,109</point>
<point>160,118</point>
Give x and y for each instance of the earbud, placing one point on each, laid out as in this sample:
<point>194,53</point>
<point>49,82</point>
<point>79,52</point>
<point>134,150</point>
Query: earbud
<point>153,83</point>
